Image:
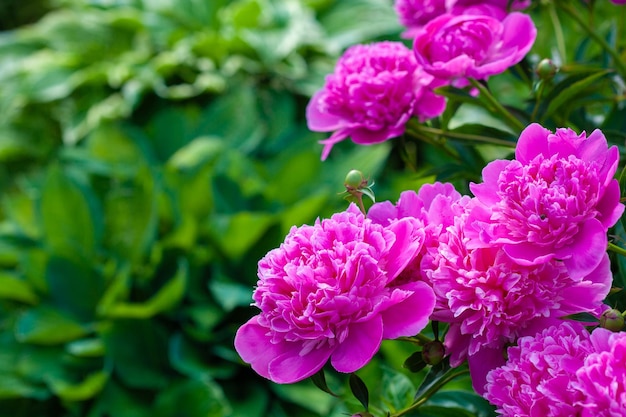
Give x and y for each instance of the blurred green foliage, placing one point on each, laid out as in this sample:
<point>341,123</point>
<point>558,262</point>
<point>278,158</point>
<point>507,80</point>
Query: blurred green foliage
<point>151,151</point>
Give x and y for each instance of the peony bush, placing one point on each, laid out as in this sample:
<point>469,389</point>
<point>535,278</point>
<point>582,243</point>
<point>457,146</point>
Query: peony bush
<point>519,272</point>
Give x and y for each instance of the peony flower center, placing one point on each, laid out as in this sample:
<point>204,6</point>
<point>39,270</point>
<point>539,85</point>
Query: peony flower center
<point>546,201</point>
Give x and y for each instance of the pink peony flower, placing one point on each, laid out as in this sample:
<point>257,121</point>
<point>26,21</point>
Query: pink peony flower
<point>473,46</point>
<point>602,379</point>
<point>373,92</point>
<point>538,377</point>
<point>329,292</point>
<point>555,201</point>
<point>490,300</point>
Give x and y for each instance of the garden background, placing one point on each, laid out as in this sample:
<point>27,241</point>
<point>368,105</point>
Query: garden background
<point>151,151</point>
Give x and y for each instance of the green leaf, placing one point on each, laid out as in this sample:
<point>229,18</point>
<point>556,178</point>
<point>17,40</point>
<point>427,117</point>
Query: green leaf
<point>415,362</point>
<point>86,348</point>
<point>397,389</point>
<point>14,288</point>
<point>131,213</point>
<point>165,299</point>
<point>359,390</point>
<point>566,95</point>
<point>46,326</point>
<point>433,377</point>
<point>192,398</point>
<point>73,286</point>
<point>238,232</point>
<point>584,317</point>
<point>230,295</point>
<point>138,351</point>
<point>464,402</point>
<point>190,359</point>
<point>87,388</point>
<point>319,379</point>
<point>68,216</point>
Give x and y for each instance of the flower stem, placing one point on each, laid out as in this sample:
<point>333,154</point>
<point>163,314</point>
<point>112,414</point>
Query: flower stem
<point>467,136</point>
<point>617,59</point>
<point>614,248</point>
<point>419,339</point>
<point>430,393</point>
<point>497,107</point>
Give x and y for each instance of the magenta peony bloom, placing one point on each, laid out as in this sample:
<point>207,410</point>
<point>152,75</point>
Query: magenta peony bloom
<point>490,300</point>
<point>373,92</point>
<point>555,201</point>
<point>618,1</point>
<point>538,377</point>
<point>602,378</point>
<point>329,291</point>
<point>473,46</point>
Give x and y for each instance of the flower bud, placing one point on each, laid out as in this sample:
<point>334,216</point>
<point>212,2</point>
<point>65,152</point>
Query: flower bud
<point>433,352</point>
<point>546,69</point>
<point>355,180</point>
<point>362,414</point>
<point>612,320</point>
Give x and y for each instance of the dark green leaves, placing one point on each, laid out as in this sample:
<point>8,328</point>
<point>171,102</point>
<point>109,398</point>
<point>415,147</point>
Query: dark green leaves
<point>359,390</point>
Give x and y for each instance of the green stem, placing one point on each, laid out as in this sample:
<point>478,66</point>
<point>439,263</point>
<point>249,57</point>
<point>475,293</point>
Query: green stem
<point>429,394</point>
<point>467,136</point>
<point>538,100</point>
<point>617,59</point>
<point>614,248</point>
<point>497,107</point>
<point>418,339</point>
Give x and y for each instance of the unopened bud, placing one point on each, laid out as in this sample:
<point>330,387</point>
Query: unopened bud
<point>433,352</point>
<point>355,180</point>
<point>612,320</point>
<point>546,69</point>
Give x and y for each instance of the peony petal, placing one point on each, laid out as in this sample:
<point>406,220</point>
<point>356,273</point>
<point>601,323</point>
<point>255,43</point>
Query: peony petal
<point>486,191</point>
<point>364,136</point>
<point>291,366</point>
<point>526,253</point>
<point>519,34</point>
<point>586,252</point>
<point>255,347</point>
<point>382,213</point>
<point>410,316</point>
<point>409,240</point>
<point>336,137</point>
<point>609,206</point>
<point>481,363</point>
<point>359,347</point>
<point>318,121</point>
<point>532,142</point>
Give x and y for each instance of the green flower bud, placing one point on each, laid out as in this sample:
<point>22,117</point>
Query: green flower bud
<point>612,320</point>
<point>546,69</point>
<point>433,352</point>
<point>355,180</point>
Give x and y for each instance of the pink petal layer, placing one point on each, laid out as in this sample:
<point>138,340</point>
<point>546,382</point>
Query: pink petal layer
<point>409,317</point>
<point>359,347</point>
